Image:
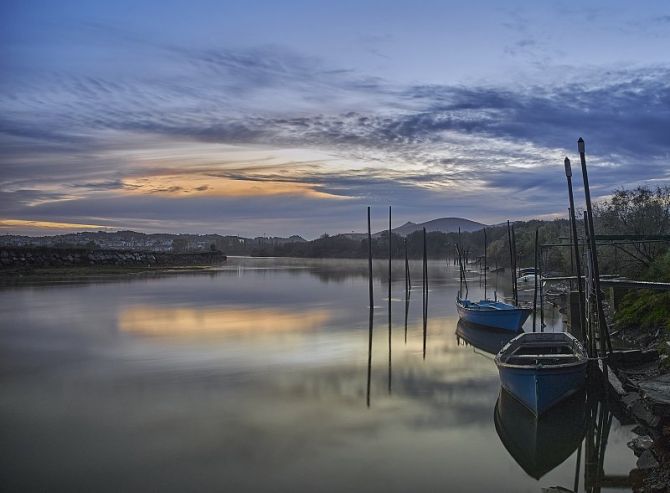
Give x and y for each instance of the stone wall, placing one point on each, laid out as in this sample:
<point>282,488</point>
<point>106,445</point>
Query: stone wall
<point>11,257</point>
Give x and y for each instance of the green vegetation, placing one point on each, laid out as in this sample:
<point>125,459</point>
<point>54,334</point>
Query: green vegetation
<point>638,211</point>
<point>440,245</point>
<point>645,311</point>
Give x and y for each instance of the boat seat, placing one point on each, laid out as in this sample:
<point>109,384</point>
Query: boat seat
<point>539,356</point>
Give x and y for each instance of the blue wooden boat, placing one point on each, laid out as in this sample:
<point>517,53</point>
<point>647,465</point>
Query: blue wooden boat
<point>540,444</point>
<point>489,313</point>
<point>542,369</point>
<point>492,313</point>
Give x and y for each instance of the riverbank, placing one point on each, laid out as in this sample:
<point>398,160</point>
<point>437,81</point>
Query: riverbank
<point>77,274</point>
<point>639,384</point>
<point>16,258</point>
<point>37,265</point>
<point>642,389</point>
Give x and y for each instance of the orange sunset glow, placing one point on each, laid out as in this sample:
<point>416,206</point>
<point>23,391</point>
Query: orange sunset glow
<point>13,223</point>
<point>181,185</point>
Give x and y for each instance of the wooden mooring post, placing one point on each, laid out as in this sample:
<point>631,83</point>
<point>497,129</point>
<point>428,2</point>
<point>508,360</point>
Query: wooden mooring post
<point>535,289</point>
<point>541,289</point>
<point>370,260</point>
<point>485,266</point>
<point>516,272</point>
<point>408,277</point>
<point>576,256</point>
<point>371,310</point>
<point>512,264</point>
<point>425,293</point>
<point>389,302</point>
<point>408,287</point>
<point>605,343</point>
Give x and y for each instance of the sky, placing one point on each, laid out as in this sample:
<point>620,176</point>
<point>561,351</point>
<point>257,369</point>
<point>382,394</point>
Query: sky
<point>291,117</point>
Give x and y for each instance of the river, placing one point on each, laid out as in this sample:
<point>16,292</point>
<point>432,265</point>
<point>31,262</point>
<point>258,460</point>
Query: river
<point>253,377</point>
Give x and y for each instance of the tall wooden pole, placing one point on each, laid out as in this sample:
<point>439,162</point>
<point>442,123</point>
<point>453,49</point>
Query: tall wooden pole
<point>407,287</point>
<point>425,293</point>
<point>461,261</point>
<point>372,310</point>
<point>407,294</point>
<point>572,252</point>
<point>516,274</point>
<point>485,266</point>
<point>370,260</point>
<point>588,287</point>
<point>389,304</point>
<point>535,290</point>
<point>602,322</point>
<point>575,250</point>
<point>511,260</point>
<point>408,279</point>
<point>541,266</point>
<point>389,254</point>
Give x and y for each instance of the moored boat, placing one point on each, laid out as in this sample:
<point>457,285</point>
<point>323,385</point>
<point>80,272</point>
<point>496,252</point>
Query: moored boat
<point>486,312</point>
<point>542,369</point>
<point>492,313</point>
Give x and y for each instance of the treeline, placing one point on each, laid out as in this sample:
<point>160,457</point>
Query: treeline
<point>638,211</point>
<point>439,245</point>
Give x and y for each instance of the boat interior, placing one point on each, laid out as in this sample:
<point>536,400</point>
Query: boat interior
<point>542,353</point>
<point>488,305</point>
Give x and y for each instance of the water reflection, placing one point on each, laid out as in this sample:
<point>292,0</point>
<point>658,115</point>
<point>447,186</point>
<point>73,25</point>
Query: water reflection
<point>268,391</point>
<point>579,426</point>
<point>487,339</point>
<point>538,445</point>
<point>161,321</point>
<point>372,314</point>
<point>596,476</point>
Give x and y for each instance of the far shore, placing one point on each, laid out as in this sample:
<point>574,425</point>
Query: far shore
<point>85,273</point>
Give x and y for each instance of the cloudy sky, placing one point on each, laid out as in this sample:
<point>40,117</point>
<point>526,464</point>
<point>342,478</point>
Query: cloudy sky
<point>289,117</point>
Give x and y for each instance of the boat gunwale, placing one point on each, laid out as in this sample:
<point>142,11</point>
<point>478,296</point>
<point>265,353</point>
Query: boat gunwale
<point>490,309</point>
<point>577,348</point>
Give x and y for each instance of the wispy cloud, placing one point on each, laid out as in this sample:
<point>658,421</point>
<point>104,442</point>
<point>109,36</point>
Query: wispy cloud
<point>73,143</point>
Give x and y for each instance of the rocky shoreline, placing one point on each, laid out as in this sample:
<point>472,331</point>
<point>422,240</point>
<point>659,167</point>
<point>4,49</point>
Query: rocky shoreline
<point>640,392</point>
<point>17,259</point>
<point>644,395</point>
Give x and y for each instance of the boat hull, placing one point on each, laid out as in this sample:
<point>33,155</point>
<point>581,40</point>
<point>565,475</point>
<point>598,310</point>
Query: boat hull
<point>539,389</point>
<point>512,319</point>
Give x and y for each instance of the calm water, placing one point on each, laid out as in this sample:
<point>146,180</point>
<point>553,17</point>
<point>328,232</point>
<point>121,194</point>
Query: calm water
<point>254,378</point>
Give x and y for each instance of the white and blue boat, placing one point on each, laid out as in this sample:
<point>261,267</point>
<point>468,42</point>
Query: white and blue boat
<point>492,313</point>
<point>541,369</point>
<point>486,312</point>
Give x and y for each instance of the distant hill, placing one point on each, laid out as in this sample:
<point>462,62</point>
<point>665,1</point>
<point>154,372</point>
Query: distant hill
<point>443,225</point>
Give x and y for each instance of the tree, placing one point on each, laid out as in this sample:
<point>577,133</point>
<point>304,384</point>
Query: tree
<point>638,211</point>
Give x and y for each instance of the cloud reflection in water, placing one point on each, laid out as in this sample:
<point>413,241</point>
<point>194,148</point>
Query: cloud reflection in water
<point>160,321</point>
